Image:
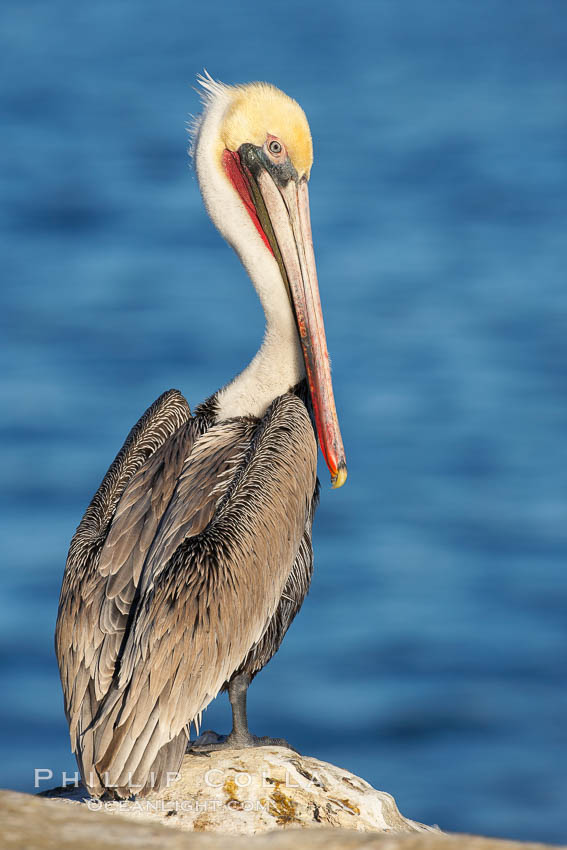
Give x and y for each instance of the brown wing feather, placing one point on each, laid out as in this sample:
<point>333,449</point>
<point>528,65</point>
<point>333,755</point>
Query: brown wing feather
<point>131,534</point>
<point>95,596</point>
<point>291,600</point>
<point>208,598</point>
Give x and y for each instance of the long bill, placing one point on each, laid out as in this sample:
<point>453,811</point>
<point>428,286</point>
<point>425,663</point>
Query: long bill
<point>288,211</point>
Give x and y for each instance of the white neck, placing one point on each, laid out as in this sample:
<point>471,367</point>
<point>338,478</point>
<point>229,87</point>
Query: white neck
<point>278,365</point>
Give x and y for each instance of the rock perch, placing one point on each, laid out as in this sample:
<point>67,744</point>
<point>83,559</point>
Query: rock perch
<point>247,791</point>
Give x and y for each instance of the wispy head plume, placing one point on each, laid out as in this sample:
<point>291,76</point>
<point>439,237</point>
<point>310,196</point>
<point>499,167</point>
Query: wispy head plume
<point>208,89</point>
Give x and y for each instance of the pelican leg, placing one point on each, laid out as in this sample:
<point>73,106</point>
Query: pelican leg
<point>237,691</point>
<point>240,735</point>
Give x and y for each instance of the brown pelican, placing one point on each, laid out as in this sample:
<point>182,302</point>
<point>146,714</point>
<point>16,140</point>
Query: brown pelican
<point>195,555</point>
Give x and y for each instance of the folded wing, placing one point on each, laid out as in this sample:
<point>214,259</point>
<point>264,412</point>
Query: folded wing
<point>104,561</point>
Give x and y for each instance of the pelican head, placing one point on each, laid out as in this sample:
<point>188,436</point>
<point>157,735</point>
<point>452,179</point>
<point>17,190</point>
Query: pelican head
<point>253,153</point>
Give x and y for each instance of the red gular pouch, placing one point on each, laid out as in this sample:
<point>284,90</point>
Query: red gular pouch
<point>238,178</point>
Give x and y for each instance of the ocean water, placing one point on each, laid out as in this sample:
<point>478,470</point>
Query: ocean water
<point>430,656</point>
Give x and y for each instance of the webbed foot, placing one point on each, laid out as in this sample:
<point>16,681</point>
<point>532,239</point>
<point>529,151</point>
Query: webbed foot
<point>210,741</point>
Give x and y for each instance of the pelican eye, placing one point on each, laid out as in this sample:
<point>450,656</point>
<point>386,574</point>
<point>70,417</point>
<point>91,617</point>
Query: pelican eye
<point>275,147</point>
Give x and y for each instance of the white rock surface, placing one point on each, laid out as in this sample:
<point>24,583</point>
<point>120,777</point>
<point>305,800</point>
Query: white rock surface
<point>248,791</point>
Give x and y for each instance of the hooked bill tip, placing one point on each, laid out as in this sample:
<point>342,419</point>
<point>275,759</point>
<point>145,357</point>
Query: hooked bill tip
<point>340,476</point>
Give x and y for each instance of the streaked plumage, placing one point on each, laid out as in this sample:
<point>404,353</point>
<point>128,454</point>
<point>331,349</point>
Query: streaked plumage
<point>195,553</point>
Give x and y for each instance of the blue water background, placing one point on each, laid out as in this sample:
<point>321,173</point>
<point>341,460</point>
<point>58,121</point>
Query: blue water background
<point>430,656</point>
